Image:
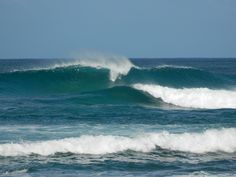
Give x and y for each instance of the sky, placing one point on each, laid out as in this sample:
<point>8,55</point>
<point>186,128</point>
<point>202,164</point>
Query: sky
<point>132,28</point>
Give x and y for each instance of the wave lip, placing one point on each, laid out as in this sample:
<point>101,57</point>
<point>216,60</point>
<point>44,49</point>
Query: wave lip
<point>192,97</point>
<point>212,140</point>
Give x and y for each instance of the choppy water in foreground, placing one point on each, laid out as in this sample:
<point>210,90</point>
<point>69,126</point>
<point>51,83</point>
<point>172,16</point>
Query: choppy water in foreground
<point>111,116</point>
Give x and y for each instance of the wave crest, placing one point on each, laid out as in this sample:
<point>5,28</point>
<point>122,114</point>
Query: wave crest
<point>117,65</point>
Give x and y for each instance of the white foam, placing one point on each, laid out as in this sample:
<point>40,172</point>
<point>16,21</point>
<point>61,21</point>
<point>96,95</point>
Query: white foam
<point>211,140</point>
<point>200,174</point>
<point>192,97</point>
<point>174,66</point>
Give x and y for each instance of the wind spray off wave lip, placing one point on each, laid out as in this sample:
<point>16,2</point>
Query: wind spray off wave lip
<point>117,65</point>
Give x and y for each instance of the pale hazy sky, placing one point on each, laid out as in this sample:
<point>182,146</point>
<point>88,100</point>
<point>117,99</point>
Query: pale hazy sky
<point>133,28</point>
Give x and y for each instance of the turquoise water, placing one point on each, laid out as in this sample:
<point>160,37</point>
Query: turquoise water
<point>118,117</point>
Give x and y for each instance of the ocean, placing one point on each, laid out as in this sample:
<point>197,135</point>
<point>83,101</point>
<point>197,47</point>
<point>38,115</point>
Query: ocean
<point>114,116</point>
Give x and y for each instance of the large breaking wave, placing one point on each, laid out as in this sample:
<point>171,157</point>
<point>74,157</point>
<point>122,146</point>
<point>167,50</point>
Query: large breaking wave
<point>212,140</point>
<point>117,79</point>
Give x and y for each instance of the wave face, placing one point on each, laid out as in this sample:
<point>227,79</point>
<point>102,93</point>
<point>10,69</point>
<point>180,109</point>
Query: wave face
<point>209,141</point>
<point>192,98</point>
<point>57,80</point>
<point>118,80</point>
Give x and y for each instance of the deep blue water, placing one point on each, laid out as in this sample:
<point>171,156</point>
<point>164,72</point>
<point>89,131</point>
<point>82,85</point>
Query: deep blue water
<point>118,117</point>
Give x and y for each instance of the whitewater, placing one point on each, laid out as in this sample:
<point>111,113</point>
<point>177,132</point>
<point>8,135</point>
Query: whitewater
<point>192,97</point>
<point>208,141</point>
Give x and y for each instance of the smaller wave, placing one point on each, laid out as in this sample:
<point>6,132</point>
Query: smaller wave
<point>212,140</point>
<point>192,97</point>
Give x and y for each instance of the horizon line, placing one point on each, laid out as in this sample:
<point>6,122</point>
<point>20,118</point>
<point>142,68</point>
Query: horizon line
<point>54,58</point>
